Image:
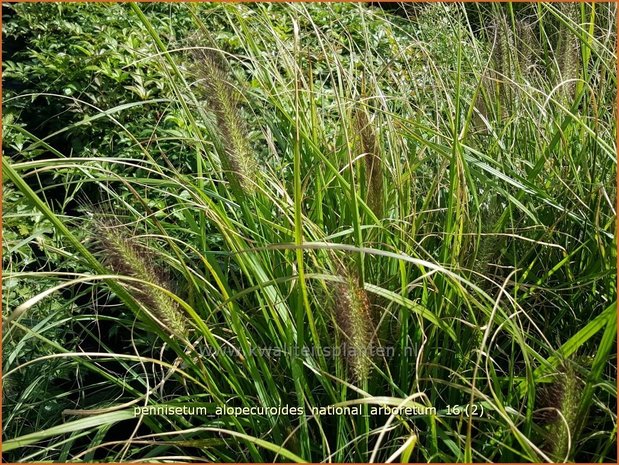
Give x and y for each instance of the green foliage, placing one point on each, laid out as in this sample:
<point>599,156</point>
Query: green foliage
<point>282,178</point>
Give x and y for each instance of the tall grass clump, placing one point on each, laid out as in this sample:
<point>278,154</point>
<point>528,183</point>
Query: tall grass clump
<point>297,178</point>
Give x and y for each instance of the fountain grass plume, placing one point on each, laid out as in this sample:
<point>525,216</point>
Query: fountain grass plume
<point>560,400</point>
<point>368,144</point>
<point>223,100</point>
<point>354,319</point>
<point>568,50</point>
<point>124,255</point>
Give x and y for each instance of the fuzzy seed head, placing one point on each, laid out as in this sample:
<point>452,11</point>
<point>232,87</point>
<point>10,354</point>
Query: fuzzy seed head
<point>223,100</point>
<point>564,395</point>
<point>124,255</point>
<point>568,53</point>
<point>368,144</point>
<point>503,62</point>
<point>353,316</point>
